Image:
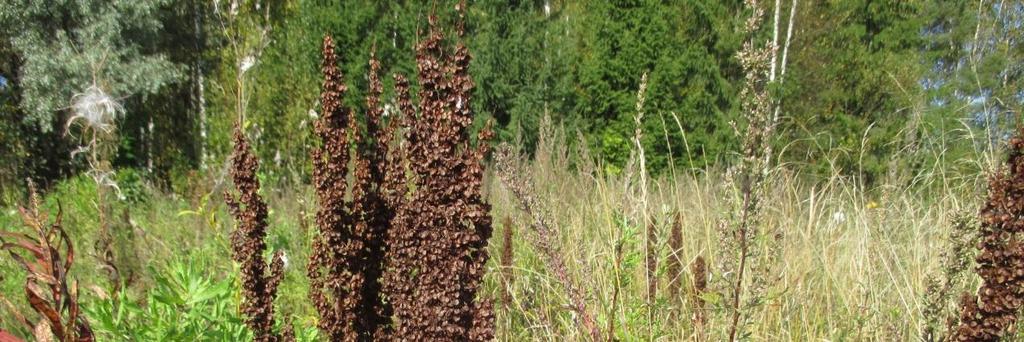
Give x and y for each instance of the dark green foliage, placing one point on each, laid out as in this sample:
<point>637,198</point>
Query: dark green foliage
<point>285,80</point>
<point>578,62</point>
<point>686,47</point>
<point>525,57</point>
<point>852,76</point>
<point>866,79</point>
<point>972,81</point>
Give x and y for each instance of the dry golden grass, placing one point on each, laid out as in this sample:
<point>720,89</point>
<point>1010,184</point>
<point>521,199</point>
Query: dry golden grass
<point>854,263</point>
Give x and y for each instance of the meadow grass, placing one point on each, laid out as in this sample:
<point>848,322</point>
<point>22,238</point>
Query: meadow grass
<point>855,262</point>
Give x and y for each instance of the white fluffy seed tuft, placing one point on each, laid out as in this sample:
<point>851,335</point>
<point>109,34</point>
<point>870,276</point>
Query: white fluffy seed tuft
<point>95,108</point>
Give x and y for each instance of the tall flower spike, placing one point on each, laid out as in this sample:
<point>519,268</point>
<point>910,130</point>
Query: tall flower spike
<point>333,289</point>
<point>259,280</point>
<point>988,315</point>
<point>436,245</point>
<point>346,266</point>
<point>371,211</point>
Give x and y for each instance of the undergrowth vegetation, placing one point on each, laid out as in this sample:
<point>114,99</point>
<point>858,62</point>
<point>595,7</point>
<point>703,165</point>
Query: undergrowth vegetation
<point>393,238</point>
<point>858,263</point>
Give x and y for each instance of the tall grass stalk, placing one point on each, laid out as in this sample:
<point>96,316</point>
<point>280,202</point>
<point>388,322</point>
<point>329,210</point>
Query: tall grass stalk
<point>513,178</point>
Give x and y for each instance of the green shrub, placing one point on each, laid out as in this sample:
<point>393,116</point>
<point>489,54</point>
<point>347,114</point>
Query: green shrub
<point>184,305</point>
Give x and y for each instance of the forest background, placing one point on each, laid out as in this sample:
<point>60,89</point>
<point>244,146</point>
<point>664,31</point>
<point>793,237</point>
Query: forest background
<point>868,85</point>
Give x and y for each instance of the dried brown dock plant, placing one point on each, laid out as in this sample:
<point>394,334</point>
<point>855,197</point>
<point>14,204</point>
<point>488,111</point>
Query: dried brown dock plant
<point>346,263</point>
<point>992,311</point>
<point>371,206</point>
<point>674,262</point>
<point>513,179</point>
<point>436,243</point>
<point>401,248</point>
<point>699,272</point>
<point>259,279</point>
<point>47,257</point>
<point>507,253</point>
<point>652,267</point>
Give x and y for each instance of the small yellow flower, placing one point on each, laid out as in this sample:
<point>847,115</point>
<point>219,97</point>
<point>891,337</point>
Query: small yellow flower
<point>872,205</point>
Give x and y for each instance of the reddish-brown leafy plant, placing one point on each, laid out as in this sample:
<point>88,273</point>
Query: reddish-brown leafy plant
<point>47,257</point>
<point>992,312</point>
<point>259,279</point>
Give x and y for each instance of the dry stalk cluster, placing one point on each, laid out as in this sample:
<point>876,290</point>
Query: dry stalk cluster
<point>992,312</point>
<point>259,278</point>
<point>437,242</point>
<point>47,257</point>
<point>674,262</point>
<point>342,255</point>
<point>400,253</point>
<point>692,288</point>
<point>745,265</point>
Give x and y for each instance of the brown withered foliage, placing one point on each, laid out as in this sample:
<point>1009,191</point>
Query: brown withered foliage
<point>47,257</point>
<point>507,253</point>
<point>436,243</point>
<point>259,279</point>
<point>371,206</point>
<point>400,253</point>
<point>699,272</point>
<point>346,263</point>
<point>992,312</point>
<point>675,261</point>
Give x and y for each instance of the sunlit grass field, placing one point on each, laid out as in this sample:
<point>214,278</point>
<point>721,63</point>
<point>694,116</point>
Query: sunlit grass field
<point>844,262</point>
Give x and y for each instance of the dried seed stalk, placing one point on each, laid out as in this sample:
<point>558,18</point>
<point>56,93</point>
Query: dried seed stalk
<point>347,260</point>
<point>329,286</point>
<point>47,258</point>
<point>699,272</point>
<point>514,180</point>
<point>507,254</point>
<point>752,170</point>
<point>992,312</point>
<point>259,279</point>
<point>431,239</point>
<point>675,260</point>
<point>436,244</point>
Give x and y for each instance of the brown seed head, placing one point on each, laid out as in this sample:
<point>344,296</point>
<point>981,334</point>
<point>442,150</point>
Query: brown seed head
<point>259,280</point>
<point>992,312</point>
